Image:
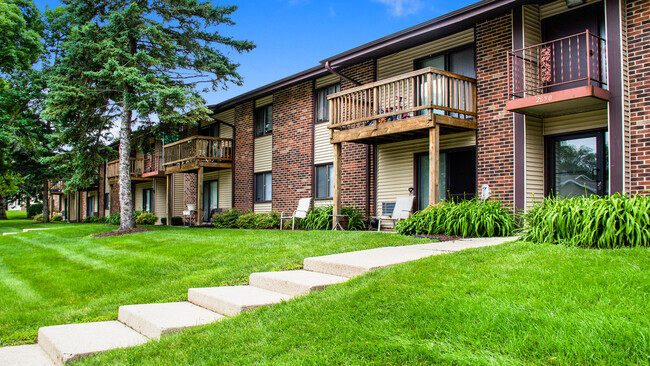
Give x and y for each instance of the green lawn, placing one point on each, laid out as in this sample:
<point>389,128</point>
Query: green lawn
<point>63,275</point>
<point>515,304</point>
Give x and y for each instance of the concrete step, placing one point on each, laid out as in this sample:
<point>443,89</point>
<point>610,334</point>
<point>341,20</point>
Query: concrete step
<point>357,263</point>
<point>231,300</point>
<point>154,320</point>
<point>294,283</point>
<point>65,343</point>
<point>3,234</point>
<point>29,355</point>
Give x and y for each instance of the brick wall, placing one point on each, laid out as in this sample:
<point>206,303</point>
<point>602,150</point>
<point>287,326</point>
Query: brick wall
<point>102,190</point>
<point>115,198</point>
<point>82,205</point>
<point>494,138</point>
<point>638,30</point>
<point>354,172</point>
<point>293,118</point>
<point>243,168</point>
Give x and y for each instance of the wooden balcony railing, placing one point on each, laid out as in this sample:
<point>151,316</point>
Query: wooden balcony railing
<point>57,187</point>
<point>577,60</point>
<point>136,168</point>
<point>153,162</point>
<point>402,97</point>
<point>198,149</point>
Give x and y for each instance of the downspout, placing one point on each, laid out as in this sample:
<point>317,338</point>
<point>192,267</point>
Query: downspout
<point>330,69</point>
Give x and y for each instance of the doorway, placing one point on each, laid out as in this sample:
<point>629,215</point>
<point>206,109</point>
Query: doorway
<point>210,198</point>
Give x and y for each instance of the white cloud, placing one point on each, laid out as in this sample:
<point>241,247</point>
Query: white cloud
<point>402,7</point>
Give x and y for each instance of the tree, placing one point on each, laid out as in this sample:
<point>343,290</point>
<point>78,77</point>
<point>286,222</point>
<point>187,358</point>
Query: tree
<point>20,35</point>
<point>140,62</point>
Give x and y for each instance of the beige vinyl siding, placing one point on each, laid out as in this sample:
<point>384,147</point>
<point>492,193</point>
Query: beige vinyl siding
<point>576,122</point>
<point>160,198</point>
<point>322,203</point>
<point>263,159</point>
<point>227,116</point>
<point>72,207</point>
<point>627,183</point>
<point>262,207</point>
<point>264,101</point>
<point>138,194</point>
<point>534,161</point>
<point>402,62</point>
<point>395,163</point>
<point>225,131</point>
<point>327,80</point>
<point>323,150</point>
<point>178,195</point>
<point>224,177</point>
<point>532,25</point>
<point>559,7</point>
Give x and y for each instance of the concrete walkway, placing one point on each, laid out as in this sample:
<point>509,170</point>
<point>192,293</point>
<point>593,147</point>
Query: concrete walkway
<point>138,324</point>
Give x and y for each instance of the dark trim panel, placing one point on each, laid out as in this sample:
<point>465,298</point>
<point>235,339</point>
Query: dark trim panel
<point>519,123</point>
<point>615,81</point>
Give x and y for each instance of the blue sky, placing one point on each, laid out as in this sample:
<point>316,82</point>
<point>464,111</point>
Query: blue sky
<point>294,35</point>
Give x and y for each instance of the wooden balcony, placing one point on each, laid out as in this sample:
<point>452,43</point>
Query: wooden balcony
<point>404,107</point>
<point>559,77</point>
<point>198,152</point>
<point>136,169</point>
<point>153,165</point>
<point>57,188</point>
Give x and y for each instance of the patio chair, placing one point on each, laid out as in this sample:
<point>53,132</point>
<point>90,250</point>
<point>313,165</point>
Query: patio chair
<point>402,210</point>
<point>300,213</point>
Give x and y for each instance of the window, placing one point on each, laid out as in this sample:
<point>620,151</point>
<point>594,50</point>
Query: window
<point>262,187</point>
<point>90,206</point>
<point>107,201</point>
<point>210,131</point>
<point>147,200</point>
<point>324,181</point>
<point>322,107</point>
<point>263,120</point>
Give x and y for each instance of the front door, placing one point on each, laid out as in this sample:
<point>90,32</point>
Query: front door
<point>90,206</point>
<point>210,199</point>
<point>578,164</point>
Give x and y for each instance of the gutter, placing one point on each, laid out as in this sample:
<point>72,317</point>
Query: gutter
<point>330,69</point>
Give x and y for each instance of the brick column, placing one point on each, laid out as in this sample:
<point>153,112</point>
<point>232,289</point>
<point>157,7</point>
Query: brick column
<point>243,164</point>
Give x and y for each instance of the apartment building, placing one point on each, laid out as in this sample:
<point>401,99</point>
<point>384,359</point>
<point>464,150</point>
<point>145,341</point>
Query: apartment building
<point>530,98</point>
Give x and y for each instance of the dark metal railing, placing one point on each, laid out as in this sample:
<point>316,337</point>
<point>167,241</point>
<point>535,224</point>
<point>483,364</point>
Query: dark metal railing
<point>564,63</point>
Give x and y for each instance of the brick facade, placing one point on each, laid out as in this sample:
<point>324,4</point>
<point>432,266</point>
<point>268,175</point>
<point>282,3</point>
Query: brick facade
<point>243,165</point>
<point>115,198</point>
<point>494,138</point>
<point>354,157</point>
<point>638,32</point>
<point>293,117</point>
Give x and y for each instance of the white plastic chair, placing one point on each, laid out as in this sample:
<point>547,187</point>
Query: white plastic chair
<point>402,210</point>
<point>300,213</point>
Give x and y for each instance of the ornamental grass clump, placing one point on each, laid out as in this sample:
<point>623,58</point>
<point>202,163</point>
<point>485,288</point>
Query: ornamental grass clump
<point>591,222</point>
<point>471,218</point>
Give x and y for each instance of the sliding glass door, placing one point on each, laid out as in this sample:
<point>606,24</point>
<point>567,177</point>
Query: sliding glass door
<point>210,198</point>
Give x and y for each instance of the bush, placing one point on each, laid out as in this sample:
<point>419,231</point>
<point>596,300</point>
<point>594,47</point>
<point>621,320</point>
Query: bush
<point>38,217</point>
<point>250,220</point>
<point>95,220</point>
<point>146,218</point>
<point>227,219</point>
<point>321,218</point>
<point>163,220</point>
<point>56,218</point>
<point>472,218</point>
<point>35,209</point>
<point>591,222</point>
<point>114,219</point>
<point>176,221</point>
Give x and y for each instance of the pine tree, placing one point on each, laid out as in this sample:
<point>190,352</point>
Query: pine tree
<point>139,62</point>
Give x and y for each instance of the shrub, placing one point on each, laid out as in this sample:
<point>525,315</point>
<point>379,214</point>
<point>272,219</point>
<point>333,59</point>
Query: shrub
<point>56,218</point>
<point>472,218</point>
<point>250,220</point>
<point>38,217</point>
<point>227,219</point>
<point>146,218</point>
<point>114,219</point>
<point>591,222</point>
<point>35,209</point>
<point>95,220</point>
<point>176,221</point>
<point>163,220</point>
<point>321,218</point>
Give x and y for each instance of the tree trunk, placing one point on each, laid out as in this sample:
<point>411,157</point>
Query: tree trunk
<point>28,202</point>
<point>46,201</point>
<point>3,208</point>
<point>126,203</point>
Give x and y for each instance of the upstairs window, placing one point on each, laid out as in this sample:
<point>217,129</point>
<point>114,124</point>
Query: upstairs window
<point>263,120</point>
<point>322,106</point>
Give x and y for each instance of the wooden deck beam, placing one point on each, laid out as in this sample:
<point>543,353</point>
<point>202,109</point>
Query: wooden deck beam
<point>434,164</point>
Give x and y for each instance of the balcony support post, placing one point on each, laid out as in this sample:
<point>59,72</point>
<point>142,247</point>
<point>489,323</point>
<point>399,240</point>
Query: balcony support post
<point>336,195</point>
<point>434,164</point>
<point>199,196</point>
<point>168,211</point>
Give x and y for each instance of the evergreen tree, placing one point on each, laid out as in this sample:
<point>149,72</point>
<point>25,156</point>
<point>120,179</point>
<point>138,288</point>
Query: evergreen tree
<point>139,62</point>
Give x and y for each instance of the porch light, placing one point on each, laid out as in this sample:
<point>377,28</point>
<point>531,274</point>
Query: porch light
<point>574,3</point>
